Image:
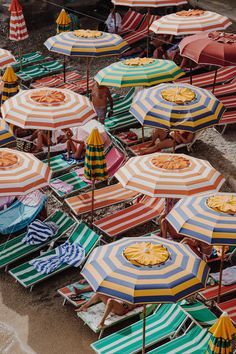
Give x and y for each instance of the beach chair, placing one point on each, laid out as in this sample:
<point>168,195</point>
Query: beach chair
<point>68,290</point>
<point>28,59</point>
<point>103,197</point>
<point>166,322</point>
<point>28,276</point>
<point>225,89</point>
<point>229,117</point>
<point>58,164</point>
<point>193,341</point>
<point>18,215</point>
<point>71,178</point>
<point>142,31</point>
<point>52,66</point>
<point>56,80</point>
<point>225,74</point>
<point>130,22</point>
<point>199,312</point>
<point>229,307</point>
<point>211,292</point>
<point>137,214</point>
<point>31,72</point>
<point>229,102</point>
<point>123,104</point>
<point>78,86</point>
<point>121,121</point>
<point>123,137</point>
<point>15,249</point>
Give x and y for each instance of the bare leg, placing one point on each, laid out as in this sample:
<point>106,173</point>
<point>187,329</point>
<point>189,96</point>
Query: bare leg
<point>167,143</point>
<point>112,306</point>
<point>79,151</point>
<point>93,300</point>
<point>70,146</point>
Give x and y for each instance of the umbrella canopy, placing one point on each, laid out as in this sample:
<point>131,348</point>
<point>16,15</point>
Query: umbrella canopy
<point>47,109</point>
<point>215,48</point>
<point>18,30</point>
<point>190,22</point>
<point>177,107</point>
<point>6,134</point>
<point>144,270</point>
<point>6,58</point>
<point>138,72</point>
<point>10,86</point>
<point>221,339</point>
<point>63,22</point>
<point>211,219</point>
<point>95,164</point>
<point>169,176</point>
<point>149,3</point>
<point>86,43</point>
<point>21,173</point>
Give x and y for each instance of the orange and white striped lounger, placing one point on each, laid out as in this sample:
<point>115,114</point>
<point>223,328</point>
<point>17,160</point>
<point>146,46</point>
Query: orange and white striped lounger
<point>229,307</point>
<point>211,292</point>
<point>103,197</point>
<point>128,218</point>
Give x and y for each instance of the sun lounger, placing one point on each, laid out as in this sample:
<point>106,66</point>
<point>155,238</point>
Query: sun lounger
<point>72,179</point>
<point>14,249</point>
<point>130,22</point>
<point>27,59</point>
<point>225,89</point>
<point>229,117</point>
<point>68,290</point>
<point>117,223</point>
<point>125,140</point>
<point>35,71</point>
<point>52,66</point>
<point>229,307</point>
<point>206,80</point>
<point>121,121</point>
<point>103,197</point>
<point>199,312</point>
<point>229,102</point>
<point>28,276</point>
<point>211,292</point>
<point>165,323</point>
<point>55,80</point>
<point>18,215</point>
<point>123,104</point>
<point>58,164</point>
<point>78,86</point>
<point>142,31</point>
<point>194,341</point>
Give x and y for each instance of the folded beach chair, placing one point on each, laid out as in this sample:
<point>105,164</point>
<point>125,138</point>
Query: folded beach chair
<point>123,104</point>
<point>28,276</point>
<point>225,74</point>
<point>142,31</point>
<point>211,292</point>
<point>166,322</point>
<point>123,220</point>
<point>15,249</point>
<point>18,215</point>
<point>68,290</point>
<point>121,121</point>
<point>130,22</point>
<point>193,341</point>
<point>229,307</point>
<point>71,178</point>
<point>103,197</point>
<point>199,312</point>
<point>27,59</point>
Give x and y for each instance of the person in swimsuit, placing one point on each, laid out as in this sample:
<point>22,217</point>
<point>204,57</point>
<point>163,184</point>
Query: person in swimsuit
<point>118,307</point>
<point>201,249</point>
<point>77,147</point>
<point>100,96</point>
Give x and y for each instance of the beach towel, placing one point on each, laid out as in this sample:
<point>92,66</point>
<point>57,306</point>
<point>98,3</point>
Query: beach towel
<point>31,199</point>
<point>62,186</point>
<point>228,276</point>
<point>39,232</point>
<point>72,254</point>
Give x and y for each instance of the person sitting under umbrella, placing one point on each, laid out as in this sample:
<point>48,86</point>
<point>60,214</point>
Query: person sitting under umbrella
<point>100,96</point>
<point>41,138</point>
<point>74,146</point>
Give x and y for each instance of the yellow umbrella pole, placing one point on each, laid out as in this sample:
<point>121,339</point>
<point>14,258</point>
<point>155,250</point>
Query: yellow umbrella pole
<point>144,327</point>
<point>221,273</point>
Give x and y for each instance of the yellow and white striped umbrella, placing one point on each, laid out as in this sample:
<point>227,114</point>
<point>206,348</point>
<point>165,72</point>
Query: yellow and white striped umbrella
<point>21,173</point>
<point>6,58</point>
<point>47,109</point>
<point>190,22</point>
<point>149,3</point>
<point>169,176</point>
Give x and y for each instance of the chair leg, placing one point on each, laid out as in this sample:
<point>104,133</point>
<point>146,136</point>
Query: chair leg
<point>100,334</point>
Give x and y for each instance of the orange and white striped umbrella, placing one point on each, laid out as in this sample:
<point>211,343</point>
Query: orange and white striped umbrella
<point>47,109</point>
<point>21,173</point>
<point>6,58</point>
<point>169,175</point>
<point>190,22</point>
<point>149,3</point>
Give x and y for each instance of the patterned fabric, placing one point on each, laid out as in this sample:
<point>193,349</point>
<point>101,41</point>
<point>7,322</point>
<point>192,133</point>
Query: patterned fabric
<point>61,186</point>
<point>39,232</point>
<point>32,198</point>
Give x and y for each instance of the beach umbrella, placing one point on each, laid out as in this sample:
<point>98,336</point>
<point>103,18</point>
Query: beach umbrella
<point>88,44</point>
<point>190,22</point>
<point>138,72</point>
<point>95,168</point>
<point>6,58</point>
<point>10,85</point>
<point>6,134</point>
<point>145,270</point>
<point>210,219</point>
<point>177,107</point>
<point>149,3</point>
<point>21,173</point>
<point>169,176</point>
<point>214,48</point>
<point>221,339</point>
<point>63,22</point>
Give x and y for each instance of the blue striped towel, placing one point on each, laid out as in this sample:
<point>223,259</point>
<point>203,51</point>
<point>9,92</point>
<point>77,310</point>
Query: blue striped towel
<point>72,254</point>
<point>40,232</point>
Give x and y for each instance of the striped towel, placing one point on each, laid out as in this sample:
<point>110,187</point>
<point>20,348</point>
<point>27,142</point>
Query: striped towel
<point>31,199</point>
<point>62,186</point>
<point>40,232</point>
<point>72,254</point>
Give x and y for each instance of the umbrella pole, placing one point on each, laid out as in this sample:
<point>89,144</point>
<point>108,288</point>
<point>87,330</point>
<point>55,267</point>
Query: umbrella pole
<point>221,273</point>
<point>19,51</point>
<point>142,133</point>
<point>87,73</point>
<point>49,148</point>
<point>149,15</point>
<point>144,327</point>
<point>191,73</point>
<point>174,142</point>
<point>114,16</point>
<point>64,68</point>
<point>214,82</point>
<point>92,208</point>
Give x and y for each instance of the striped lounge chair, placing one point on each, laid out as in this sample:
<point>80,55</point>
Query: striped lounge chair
<point>211,292</point>
<point>137,214</point>
<point>72,179</point>
<point>121,121</point>
<point>103,197</point>
<point>123,104</point>
<point>199,312</point>
<point>28,276</point>
<point>35,71</point>
<point>27,59</point>
<point>56,80</point>
<point>52,66</point>
<point>125,140</point>
<point>58,164</point>
<point>142,31</point>
<point>229,307</point>
<point>225,89</point>
<point>166,322</point>
<point>14,249</point>
<point>77,86</point>
<point>68,290</point>
<point>130,22</point>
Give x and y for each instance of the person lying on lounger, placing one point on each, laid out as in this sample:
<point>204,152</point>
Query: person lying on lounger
<point>201,249</point>
<point>118,307</point>
<point>74,146</point>
<point>42,139</point>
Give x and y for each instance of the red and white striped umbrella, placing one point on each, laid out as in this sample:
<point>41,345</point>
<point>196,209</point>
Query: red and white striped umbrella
<point>190,22</point>
<point>6,58</point>
<point>169,176</point>
<point>21,173</point>
<point>48,109</point>
<point>18,30</point>
<point>149,3</point>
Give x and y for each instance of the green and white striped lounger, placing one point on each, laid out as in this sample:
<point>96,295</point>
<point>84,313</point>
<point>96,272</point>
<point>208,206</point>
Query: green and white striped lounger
<point>28,59</point>
<point>58,164</point>
<point>31,72</point>
<point>200,313</point>
<point>123,104</point>
<point>72,179</point>
<point>164,323</point>
<point>194,341</point>
<point>14,249</point>
<point>120,121</point>
<point>52,66</point>
<point>28,276</point>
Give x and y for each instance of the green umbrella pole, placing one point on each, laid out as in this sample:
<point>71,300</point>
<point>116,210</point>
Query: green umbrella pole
<point>144,327</point>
